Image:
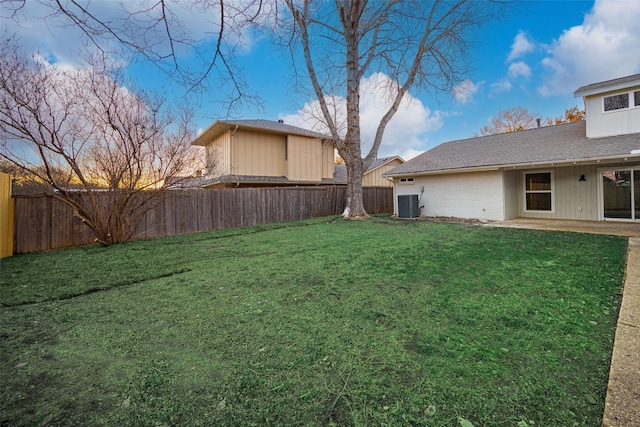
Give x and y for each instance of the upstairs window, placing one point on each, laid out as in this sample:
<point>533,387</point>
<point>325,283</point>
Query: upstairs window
<point>616,102</point>
<point>636,98</point>
<point>406,180</point>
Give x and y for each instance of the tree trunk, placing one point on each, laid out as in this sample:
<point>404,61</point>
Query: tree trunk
<point>350,17</point>
<point>355,171</point>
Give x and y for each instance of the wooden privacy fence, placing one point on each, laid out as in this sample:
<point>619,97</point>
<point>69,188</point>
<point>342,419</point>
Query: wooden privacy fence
<point>43,222</point>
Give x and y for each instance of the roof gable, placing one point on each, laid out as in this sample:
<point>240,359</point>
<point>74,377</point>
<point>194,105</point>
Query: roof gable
<point>383,161</point>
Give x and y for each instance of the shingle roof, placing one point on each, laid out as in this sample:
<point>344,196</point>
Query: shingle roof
<point>548,144</point>
<point>220,126</point>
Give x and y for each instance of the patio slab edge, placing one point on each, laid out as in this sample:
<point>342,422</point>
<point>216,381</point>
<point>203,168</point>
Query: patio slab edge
<point>622,405</point>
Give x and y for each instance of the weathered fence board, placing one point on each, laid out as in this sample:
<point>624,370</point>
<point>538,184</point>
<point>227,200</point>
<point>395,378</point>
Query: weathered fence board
<point>42,222</point>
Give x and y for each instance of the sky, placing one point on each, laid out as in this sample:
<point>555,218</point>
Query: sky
<point>535,57</point>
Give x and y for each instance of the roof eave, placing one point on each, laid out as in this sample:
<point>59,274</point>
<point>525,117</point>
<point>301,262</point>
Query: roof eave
<point>385,163</point>
<point>219,127</point>
<point>601,90</point>
<point>282,132</point>
<point>545,163</point>
<point>209,134</point>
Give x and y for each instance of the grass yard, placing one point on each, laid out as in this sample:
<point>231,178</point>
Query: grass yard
<point>315,323</point>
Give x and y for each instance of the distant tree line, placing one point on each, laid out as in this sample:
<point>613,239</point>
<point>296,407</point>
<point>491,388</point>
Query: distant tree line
<point>518,118</point>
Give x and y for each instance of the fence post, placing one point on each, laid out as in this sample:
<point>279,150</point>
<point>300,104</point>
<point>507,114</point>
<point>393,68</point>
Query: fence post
<point>6,216</point>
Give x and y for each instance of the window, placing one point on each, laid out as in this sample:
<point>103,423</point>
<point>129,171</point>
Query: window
<point>621,193</point>
<point>616,102</point>
<point>636,98</point>
<point>406,180</point>
<point>538,191</point>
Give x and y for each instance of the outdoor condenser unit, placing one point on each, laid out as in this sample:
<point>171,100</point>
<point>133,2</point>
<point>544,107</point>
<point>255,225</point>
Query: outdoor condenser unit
<point>408,206</point>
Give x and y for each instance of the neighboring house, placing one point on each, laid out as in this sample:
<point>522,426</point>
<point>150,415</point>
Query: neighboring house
<point>373,175</point>
<point>587,170</point>
<point>255,153</point>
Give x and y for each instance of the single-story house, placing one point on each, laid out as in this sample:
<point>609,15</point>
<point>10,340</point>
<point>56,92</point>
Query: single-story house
<point>589,170</point>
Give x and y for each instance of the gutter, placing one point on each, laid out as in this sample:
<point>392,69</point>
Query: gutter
<point>635,154</point>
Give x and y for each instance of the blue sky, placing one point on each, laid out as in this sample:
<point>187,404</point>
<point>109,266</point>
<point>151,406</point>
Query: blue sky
<point>535,57</point>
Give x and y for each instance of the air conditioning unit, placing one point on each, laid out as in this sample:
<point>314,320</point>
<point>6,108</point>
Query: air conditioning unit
<point>408,206</point>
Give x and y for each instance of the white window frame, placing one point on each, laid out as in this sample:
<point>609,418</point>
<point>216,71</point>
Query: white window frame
<point>525,191</point>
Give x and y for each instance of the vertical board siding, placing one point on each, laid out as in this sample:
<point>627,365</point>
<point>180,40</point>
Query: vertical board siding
<point>306,159</point>
<point>374,177</point>
<point>258,153</point>
<point>43,222</point>
<point>573,199</point>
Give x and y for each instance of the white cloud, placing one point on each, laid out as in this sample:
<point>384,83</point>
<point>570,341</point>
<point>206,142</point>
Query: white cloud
<point>503,85</point>
<point>405,133</point>
<point>519,69</point>
<point>520,46</point>
<point>463,93</point>
<point>604,47</point>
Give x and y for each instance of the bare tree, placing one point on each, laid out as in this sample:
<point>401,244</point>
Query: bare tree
<point>510,120</point>
<point>101,146</point>
<point>160,33</point>
<point>417,44</point>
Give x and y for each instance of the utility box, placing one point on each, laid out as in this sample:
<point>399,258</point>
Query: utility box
<point>408,206</point>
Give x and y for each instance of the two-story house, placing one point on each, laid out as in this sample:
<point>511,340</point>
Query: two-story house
<point>253,153</point>
<point>588,170</point>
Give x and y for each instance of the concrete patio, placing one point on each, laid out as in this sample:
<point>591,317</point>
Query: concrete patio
<point>613,228</point>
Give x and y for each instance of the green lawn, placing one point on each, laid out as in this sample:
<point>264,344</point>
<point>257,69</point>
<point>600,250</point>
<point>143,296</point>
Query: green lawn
<point>323,322</point>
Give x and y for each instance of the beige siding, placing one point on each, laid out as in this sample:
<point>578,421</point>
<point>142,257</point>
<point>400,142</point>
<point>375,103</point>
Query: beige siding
<point>572,199</point>
<point>305,159</point>
<point>219,155</point>
<point>258,153</point>
<point>247,152</point>
<point>328,165</point>
<point>374,178</point>
<point>512,189</point>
